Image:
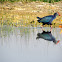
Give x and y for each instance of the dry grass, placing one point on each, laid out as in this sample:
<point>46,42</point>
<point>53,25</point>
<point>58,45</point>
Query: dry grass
<point>21,14</point>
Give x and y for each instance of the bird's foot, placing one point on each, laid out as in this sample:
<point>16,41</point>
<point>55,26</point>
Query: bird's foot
<point>42,28</point>
<point>51,28</point>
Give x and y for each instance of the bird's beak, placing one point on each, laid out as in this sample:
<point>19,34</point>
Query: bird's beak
<point>58,41</point>
<point>58,14</point>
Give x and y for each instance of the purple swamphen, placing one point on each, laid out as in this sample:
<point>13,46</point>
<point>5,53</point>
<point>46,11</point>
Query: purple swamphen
<point>47,36</point>
<point>48,19</point>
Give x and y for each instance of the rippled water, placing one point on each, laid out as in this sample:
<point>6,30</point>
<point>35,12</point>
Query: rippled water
<point>18,44</point>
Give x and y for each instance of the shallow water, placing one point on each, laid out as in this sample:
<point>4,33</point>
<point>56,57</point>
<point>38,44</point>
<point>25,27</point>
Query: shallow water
<point>18,44</point>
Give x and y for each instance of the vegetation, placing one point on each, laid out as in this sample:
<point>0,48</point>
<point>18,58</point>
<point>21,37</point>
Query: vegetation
<point>50,1</point>
<point>22,14</point>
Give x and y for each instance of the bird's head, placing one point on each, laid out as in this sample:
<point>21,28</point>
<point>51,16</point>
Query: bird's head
<point>57,14</point>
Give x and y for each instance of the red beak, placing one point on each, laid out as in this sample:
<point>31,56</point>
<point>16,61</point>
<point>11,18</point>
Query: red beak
<point>58,41</point>
<point>58,14</point>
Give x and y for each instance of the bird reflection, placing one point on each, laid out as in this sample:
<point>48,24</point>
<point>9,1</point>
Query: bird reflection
<point>47,36</point>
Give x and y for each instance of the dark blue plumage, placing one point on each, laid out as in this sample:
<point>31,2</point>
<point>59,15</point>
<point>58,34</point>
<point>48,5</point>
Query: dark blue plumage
<point>47,19</point>
<point>47,36</point>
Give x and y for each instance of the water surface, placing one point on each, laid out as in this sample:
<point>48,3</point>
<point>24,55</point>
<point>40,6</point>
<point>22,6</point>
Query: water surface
<point>18,44</point>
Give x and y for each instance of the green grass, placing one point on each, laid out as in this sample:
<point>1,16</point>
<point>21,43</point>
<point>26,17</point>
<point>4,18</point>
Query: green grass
<point>50,1</point>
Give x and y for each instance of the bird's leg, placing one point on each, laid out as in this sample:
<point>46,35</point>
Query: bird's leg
<point>54,25</point>
<point>51,28</point>
<point>42,27</point>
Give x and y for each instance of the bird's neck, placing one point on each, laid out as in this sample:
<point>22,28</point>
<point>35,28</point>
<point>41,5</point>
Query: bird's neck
<point>55,15</point>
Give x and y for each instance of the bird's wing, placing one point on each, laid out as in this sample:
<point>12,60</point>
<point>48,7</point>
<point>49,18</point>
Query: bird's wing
<point>46,19</point>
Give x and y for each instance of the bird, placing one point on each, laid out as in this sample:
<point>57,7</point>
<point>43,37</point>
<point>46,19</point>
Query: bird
<point>46,35</point>
<point>48,19</point>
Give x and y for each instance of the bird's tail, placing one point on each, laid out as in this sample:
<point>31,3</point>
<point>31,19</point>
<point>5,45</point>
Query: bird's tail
<point>38,34</point>
<point>39,19</point>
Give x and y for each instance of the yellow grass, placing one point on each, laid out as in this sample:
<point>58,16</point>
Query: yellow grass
<point>19,14</point>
